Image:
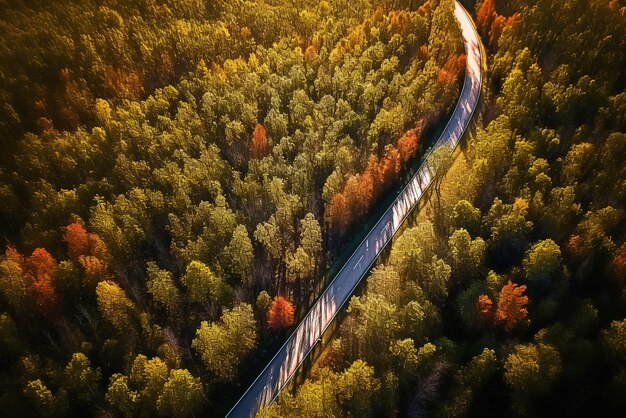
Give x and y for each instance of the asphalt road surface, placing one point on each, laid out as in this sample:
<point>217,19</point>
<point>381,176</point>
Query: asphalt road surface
<point>287,360</point>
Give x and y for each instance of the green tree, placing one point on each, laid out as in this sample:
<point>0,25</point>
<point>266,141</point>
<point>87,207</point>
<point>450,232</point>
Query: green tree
<point>466,216</point>
<point>509,229</point>
<point>263,302</point>
<point>239,255</point>
<point>357,389</point>
<point>114,306</point>
<point>542,260</point>
<point>120,396</point>
<point>466,255</point>
<point>202,284</point>
<point>224,345</point>
<point>81,380</point>
<point>161,286</point>
<point>532,369</point>
<point>182,395</point>
<point>615,340</point>
<point>148,377</point>
<point>43,400</point>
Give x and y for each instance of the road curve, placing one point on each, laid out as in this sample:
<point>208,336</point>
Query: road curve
<point>284,364</point>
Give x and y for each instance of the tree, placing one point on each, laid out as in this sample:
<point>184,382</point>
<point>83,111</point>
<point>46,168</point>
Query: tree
<point>414,249</point>
<point>408,145</point>
<point>121,396</point>
<point>340,213</point>
<point>43,400</point>
<point>614,339</point>
<point>239,255</point>
<point>259,146</point>
<point>532,369</point>
<point>466,216</point>
<point>263,302</point>
<point>41,267</point>
<point>509,230</point>
<point>148,377</point>
<point>14,284</point>
<point>439,162</point>
<point>161,286</point>
<point>201,283</point>
<point>357,389</point>
<point>77,240</point>
<point>512,305</point>
<point>114,306</point>
<point>475,307</point>
<point>280,314</point>
<point>224,345</point>
<point>466,255</point>
<point>385,281</point>
<point>542,260</point>
<point>304,262</point>
<point>406,358</point>
<point>81,380</point>
<point>182,395</point>
<point>89,251</point>
<point>375,324</point>
<point>484,307</point>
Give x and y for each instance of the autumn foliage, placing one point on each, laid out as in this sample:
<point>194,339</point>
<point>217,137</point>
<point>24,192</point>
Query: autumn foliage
<point>484,308</point>
<point>449,74</point>
<point>280,314</point>
<point>512,305</point>
<point>40,267</point>
<point>123,82</point>
<point>259,147</point>
<point>77,240</point>
<point>362,189</point>
<point>88,250</point>
<point>490,23</point>
<point>399,22</point>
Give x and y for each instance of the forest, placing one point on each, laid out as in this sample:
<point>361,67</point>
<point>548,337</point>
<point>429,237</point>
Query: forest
<point>506,294</point>
<point>179,177</point>
<point>176,178</point>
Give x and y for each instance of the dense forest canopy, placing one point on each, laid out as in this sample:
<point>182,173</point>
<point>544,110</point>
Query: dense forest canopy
<point>507,295</point>
<point>176,177</point>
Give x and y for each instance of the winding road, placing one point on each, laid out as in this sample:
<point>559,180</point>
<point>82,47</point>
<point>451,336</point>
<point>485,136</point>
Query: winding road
<point>285,363</point>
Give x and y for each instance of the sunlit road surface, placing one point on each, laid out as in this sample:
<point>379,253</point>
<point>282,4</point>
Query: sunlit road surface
<point>285,363</point>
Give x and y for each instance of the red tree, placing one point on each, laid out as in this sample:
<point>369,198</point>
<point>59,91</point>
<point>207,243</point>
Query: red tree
<point>310,53</point>
<point>512,305</point>
<point>280,314</point>
<point>484,307</point>
<point>98,248</point>
<point>407,145</point>
<point>41,267</point>
<point>260,148</point>
<point>451,70</point>
<point>89,251</point>
<point>77,240</point>
<point>339,213</point>
<point>490,23</point>
<point>485,16</point>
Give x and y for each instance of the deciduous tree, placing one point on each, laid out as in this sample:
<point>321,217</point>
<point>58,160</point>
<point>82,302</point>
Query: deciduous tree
<point>224,345</point>
<point>512,305</point>
<point>280,314</point>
